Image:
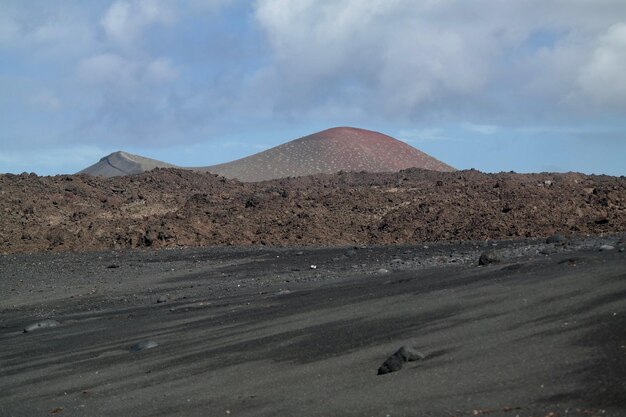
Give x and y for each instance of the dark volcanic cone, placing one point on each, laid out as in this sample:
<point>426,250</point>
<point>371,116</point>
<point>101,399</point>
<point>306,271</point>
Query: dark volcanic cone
<point>333,150</point>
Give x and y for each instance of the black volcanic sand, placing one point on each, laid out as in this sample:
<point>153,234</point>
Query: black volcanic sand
<point>259,332</point>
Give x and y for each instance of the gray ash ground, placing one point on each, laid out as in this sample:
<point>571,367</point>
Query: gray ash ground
<point>258,331</point>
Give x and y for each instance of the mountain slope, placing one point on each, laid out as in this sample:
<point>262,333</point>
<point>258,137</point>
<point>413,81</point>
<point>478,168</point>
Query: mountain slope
<point>332,150</point>
<point>329,151</point>
<point>123,163</point>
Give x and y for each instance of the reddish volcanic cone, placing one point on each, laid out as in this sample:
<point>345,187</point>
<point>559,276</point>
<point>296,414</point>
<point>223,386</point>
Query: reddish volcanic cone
<point>330,151</point>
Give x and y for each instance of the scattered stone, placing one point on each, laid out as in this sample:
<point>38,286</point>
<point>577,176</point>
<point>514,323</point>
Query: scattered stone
<point>397,261</point>
<point>113,266</point>
<point>569,261</point>
<point>488,257</point>
<point>396,361</point>
<point>299,253</point>
<point>313,266</point>
<point>409,354</point>
<point>161,299</point>
<point>143,345</point>
<point>44,324</point>
<point>383,271</point>
<point>556,239</point>
<point>606,248</point>
<point>350,253</point>
<point>392,364</point>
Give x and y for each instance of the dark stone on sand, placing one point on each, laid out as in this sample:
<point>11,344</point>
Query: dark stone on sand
<point>161,299</point>
<point>488,257</point>
<point>392,364</point>
<point>44,324</point>
<point>557,239</point>
<point>396,361</point>
<point>143,345</point>
<point>409,354</point>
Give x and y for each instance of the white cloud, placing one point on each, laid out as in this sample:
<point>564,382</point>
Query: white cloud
<point>108,69</point>
<point>124,21</point>
<point>603,78</point>
<point>45,29</point>
<point>9,29</point>
<point>441,59</point>
<point>161,69</point>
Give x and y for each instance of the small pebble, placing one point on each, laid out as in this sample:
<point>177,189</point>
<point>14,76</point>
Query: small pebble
<point>487,258</point>
<point>556,239</point>
<point>44,324</point>
<point>143,345</point>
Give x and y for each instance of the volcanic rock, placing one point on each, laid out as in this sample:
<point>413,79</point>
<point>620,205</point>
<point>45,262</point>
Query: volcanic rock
<point>488,257</point>
<point>173,208</point>
<point>44,324</point>
<point>556,239</point>
<point>143,345</point>
<point>396,361</point>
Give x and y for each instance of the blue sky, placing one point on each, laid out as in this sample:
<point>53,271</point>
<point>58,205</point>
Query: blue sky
<point>524,85</point>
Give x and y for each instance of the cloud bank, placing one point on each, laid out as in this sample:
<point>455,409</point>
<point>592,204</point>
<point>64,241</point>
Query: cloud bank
<point>179,72</point>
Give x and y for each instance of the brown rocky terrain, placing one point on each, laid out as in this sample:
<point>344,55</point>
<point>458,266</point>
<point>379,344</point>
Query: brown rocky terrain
<point>179,208</point>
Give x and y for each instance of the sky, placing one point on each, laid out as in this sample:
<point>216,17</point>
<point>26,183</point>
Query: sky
<point>517,85</point>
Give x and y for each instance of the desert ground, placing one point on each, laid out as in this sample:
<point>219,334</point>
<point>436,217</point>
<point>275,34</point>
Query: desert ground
<point>182,293</point>
<point>171,208</point>
<point>302,331</point>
